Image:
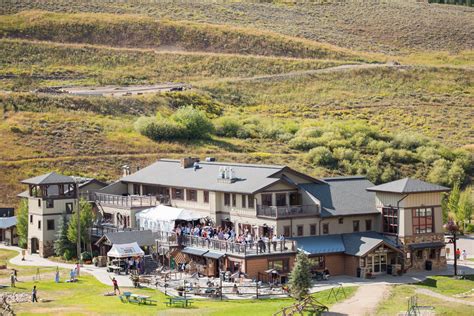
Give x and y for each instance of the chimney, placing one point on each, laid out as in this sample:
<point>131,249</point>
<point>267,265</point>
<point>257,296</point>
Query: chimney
<point>188,162</point>
<point>125,170</point>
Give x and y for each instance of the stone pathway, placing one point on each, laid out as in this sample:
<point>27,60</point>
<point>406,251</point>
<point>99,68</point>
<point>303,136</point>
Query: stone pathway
<point>364,302</point>
<point>443,297</point>
<point>100,274</point>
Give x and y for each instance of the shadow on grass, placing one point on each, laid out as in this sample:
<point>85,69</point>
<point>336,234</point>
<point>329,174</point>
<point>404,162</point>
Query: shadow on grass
<point>429,282</point>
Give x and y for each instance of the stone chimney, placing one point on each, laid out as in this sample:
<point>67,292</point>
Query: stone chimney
<point>125,170</point>
<point>188,162</point>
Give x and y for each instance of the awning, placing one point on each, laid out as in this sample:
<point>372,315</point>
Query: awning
<point>125,251</point>
<point>193,251</point>
<point>427,245</point>
<point>272,271</point>
<point>6,222</point>
<point>213,255</point>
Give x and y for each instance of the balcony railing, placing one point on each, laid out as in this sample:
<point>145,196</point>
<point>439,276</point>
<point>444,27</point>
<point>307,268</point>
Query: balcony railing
<point>277,212</point>
<point>244,249</point>
<point>130,201</point>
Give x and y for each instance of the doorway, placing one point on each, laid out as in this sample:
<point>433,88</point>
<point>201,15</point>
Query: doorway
<point>34,245</point>
<point>377,263</point>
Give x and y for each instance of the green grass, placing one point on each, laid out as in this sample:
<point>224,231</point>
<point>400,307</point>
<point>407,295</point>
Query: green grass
<point>398,300</point>
<point>86,298</point>
<point>448,286</point>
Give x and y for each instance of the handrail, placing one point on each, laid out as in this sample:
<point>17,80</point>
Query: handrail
<point>128,201</point>
<point>253,248</point>
<point>287,211</point>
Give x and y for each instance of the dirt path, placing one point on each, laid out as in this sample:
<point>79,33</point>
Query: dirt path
<point>443,297</point>
<point>364,302</point>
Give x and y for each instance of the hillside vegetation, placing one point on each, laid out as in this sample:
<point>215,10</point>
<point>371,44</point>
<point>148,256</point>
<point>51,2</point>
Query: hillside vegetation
<point>391,27</point>
<point>145,32</point>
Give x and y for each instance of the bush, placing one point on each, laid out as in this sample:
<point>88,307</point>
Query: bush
<point>195,122</point>
<point>303,143</point>
<point>86,256</point>
<point>321,156</point>
<point>68,254</point>
<point>228,127</point>
<point>469,228</point>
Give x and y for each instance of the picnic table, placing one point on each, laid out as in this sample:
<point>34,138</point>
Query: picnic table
<point>115,269</point>
<point>136,298</point>
<point>177,300</point>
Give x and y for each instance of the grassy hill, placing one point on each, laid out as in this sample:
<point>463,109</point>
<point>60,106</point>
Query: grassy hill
<point>274,77</point>
<point>391,27</point>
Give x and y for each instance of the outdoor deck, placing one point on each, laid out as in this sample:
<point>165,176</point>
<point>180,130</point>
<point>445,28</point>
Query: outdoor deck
<point>276,212</point>
<point>130,201</point>
<point>170,239</point>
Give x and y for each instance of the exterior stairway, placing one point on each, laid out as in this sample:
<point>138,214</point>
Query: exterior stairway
<point>150,264</point>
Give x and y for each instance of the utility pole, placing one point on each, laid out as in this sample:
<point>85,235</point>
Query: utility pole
<point>78,220</point>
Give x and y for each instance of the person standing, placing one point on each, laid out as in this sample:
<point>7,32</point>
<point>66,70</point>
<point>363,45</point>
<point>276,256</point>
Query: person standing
<point>56,276</point>
<point>458,253</point>
<point>12,279</point>
<point>33,295</point>
<point>116,287</point>
<point>464,255</point>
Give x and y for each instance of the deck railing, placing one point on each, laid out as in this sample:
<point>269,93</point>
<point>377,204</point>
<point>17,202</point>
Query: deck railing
<point>129,201</point>
<point>245,249</point>
<point>287,211</point>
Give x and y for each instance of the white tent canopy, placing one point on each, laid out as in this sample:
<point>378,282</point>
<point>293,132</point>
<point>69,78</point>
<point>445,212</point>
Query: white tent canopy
<point>162,218</point>
<point>125,251</point>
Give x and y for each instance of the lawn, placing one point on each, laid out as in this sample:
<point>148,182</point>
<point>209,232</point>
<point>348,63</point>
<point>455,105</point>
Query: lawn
<point>24,273</point>
<point>86,298</point>
<point>399,295</point>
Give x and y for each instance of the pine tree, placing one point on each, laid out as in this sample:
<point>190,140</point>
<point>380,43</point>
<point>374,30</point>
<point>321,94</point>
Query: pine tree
<point>300,277</point>
<point>22,224</point>
<point>62,243</point>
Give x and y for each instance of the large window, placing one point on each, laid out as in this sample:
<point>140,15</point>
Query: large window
<point>325,229</point>
<point>50,224</point>
<point>390,220</point>
<point>177,194</point>
<point>234,200</point>
<point>49,203</point>
<point>312,229</point>
<point>191,195</point>
<point>299,230</point>
<point>250,201</point>
<point>368,224</point>
<point>206,196</point>
<point>266,199</point>
<point>227,199</point>
<point>286,231</point>
<point>244,201</point>
<point>422,220</point>
<point>280,199</point>
<point>281,265</point>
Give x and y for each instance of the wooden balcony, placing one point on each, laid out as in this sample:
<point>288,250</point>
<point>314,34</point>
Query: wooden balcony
<point>289,211</point>
<point>228,247</point>
<point>130,201</point>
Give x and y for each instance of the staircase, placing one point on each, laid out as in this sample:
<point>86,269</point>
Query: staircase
<point>150,264</point>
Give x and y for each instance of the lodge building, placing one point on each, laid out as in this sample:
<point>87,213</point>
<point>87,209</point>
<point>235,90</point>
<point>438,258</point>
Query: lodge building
<point>345,223</point>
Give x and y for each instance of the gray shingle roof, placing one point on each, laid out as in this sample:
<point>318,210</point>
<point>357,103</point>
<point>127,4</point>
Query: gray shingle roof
<point>408,185</point>
<point>343,196</point>
<point>170,173</point>
<point>142,237</point>
<point>49,178</point>
<point>354,244</point>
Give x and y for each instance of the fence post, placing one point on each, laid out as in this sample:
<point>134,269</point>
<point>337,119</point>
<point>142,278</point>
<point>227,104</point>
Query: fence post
<point>221,286</point>
<point>257,289</point>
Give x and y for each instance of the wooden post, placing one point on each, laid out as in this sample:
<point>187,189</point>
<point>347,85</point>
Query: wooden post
<point>257,289</point>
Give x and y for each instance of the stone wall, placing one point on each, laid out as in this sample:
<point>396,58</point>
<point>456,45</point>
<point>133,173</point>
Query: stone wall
<point>418,262</point>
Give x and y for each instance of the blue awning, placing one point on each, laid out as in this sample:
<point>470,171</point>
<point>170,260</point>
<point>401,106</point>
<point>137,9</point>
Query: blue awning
<point>317,245</point>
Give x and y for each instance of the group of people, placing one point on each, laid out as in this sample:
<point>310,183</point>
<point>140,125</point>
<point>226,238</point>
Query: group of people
<point>134,264</point>
<point>461,255</point>
<point>228,234</point>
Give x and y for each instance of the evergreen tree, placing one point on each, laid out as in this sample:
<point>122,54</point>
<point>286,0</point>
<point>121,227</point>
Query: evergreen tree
<point>300,277</point>
<point>22,223</point>
<point>62,243</point>
<point>86,221</point>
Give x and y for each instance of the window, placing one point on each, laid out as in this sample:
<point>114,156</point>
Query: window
<point>250,200</point>
<point>39,202</point>
<point>50,224</point>
<point>281,265</point>
<point>341,220</point>
<point>31,219</point>
<point>49,203</point>
<point>433,254</point>
<point>234,200</point>
<point>177,194</point>
<point>390,220</point>
<point>227,199</point>
<point>299,230</point>
<point>312,229</point>
<point>136,189</point>
<point>419,254</point>
<point>422,220</point>
<point>191,195</point>
<point>325,229</point>
<point>318,262</point>
<point>244,201</point>
<point>266,199</point>
<point>281,199</point>
<point>39,224</point>
<point>368,224</point>
<point>355,226</point>
<point>295,199</point>
<point>69,208</point>
<point>206,196</point>
<point>286,231</point>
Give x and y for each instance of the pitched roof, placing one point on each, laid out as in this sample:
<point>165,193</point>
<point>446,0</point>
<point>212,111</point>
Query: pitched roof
<point>49,178</point>
<point>141,237</point>
<point>167,172</point>
<point>343,196</point>
<point>408,185</point>
<point>354,244</point>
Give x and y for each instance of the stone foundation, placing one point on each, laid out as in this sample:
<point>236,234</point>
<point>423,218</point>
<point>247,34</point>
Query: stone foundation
<point>418,258</point>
